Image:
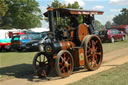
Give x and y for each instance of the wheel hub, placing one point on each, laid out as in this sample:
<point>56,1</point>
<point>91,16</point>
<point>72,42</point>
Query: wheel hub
<point>93,51</point>
<point>66,64</point>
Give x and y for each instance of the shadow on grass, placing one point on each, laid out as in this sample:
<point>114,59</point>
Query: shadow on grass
<point>25,71</point>
<point>18,71</point>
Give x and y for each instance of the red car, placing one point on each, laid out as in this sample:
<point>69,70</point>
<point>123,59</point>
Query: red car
<point>111,35</point>
<point>123,28</point>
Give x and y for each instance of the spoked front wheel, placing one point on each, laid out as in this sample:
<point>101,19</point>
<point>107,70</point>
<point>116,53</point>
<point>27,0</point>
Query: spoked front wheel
<point>64,63</point>
<point>41,64</point>
<point>93,52</point>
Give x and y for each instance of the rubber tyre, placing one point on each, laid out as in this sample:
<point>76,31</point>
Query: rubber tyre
<point>112,40</point>
<point>123,38</point>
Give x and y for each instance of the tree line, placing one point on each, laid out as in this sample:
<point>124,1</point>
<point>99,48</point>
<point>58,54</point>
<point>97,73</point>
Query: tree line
<point>25,14</point>
<point>20,14</point>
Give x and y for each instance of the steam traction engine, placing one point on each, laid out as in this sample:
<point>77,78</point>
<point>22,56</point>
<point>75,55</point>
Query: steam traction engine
<point>69,43</point>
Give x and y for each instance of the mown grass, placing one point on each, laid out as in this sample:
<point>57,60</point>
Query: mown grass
<point>17,64</point>
<point>14,58</point>
<point>114,76</point>
<point>109,47</point>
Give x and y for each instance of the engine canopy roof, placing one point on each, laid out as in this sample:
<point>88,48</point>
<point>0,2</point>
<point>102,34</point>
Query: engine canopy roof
<point>69,11</point>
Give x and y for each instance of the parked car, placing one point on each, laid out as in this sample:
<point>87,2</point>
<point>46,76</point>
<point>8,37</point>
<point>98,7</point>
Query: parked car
<point>96,32</point>
<point>5,44</point>
<point>33,45</point>
<point>11,34</point>
<point>111,35</point>
<point>123,28</point>
<point>19,42</point>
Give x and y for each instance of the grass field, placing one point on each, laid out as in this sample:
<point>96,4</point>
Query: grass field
<point>114,76</point>
<point>17,64</point>
<point>109,47</point>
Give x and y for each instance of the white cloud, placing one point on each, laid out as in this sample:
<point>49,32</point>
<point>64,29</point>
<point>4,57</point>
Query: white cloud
<point>119,2</point>
<point>43,9</point>
<point>81,2</point>
<point>109,17</point>
<point>95,0</point>
<point>115,10</point>
<point>105,18</point>
<point>98,7</point>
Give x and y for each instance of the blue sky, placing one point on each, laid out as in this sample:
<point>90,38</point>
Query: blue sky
<point>111,8</point>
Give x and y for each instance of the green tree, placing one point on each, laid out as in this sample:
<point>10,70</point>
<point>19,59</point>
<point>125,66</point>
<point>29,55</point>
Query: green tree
<point>121,19</point>
<point>102,27</point>
<point>98,25</point>
<point>75,5</point>
<point>108,24</point>
<point>57,4</point>
<point>3,8</point>
<point>22,14</point>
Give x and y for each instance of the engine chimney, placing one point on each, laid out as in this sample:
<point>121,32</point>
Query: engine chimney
<point>51,19</point>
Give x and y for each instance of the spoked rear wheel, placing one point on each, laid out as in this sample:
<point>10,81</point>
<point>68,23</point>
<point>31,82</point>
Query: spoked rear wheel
<point>93,52</point>
<point>41,65</point>
<point>64,63</point>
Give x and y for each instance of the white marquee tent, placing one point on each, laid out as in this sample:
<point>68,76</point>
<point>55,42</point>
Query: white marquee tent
<point>4,33</point>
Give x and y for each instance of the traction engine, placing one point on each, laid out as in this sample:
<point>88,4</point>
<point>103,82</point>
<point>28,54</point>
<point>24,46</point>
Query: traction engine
<point>69,43</point>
